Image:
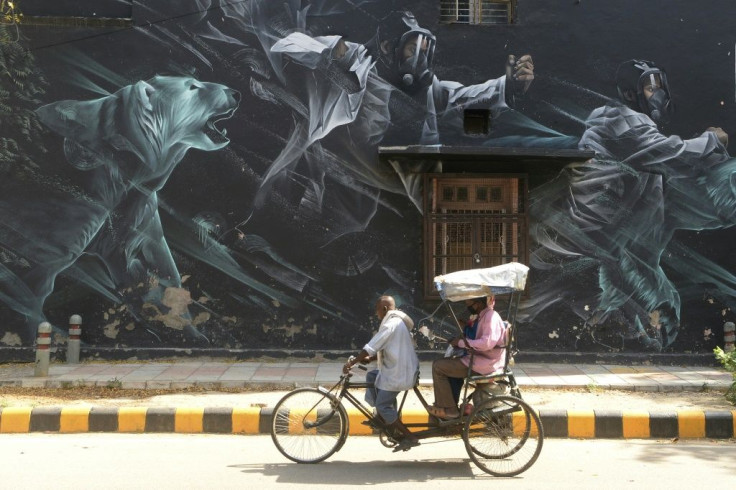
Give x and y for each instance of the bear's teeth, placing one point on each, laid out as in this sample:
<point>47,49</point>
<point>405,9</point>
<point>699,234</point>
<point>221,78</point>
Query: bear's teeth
<point>223,132</point>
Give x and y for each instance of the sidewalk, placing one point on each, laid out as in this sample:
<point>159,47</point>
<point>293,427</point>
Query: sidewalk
<point>614,423</point>
<point>286,375</point>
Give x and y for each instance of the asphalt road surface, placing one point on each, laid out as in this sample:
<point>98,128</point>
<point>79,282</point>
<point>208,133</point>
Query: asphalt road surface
<point>180,461</point>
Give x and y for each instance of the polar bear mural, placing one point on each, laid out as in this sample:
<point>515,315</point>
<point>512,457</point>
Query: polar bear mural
<point>122,149</point>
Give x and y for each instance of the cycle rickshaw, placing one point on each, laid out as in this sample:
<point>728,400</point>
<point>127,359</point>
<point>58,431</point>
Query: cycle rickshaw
<point>503,435</point>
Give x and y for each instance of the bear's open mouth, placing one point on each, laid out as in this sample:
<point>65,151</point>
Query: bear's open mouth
<point>211,130</point>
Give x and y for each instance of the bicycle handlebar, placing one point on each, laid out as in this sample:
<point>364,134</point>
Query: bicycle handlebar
<point>360,366</point>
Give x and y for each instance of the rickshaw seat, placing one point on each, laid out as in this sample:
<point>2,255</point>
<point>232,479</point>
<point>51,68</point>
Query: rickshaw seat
<point>489,378</point>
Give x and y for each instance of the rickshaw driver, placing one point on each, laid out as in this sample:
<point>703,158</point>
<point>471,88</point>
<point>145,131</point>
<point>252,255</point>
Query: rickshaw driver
<point>398,365</point>
<point>488,356</point>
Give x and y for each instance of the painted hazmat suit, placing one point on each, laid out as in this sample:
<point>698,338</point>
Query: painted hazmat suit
<point>357,94</point>
<point>623,206</point>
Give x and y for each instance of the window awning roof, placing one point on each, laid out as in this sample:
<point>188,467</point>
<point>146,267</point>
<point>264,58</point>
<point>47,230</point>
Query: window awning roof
<point>452,159</point>
<point>483,152</point>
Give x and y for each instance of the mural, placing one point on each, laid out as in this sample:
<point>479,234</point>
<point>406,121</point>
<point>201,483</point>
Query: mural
<point>622,208</point>
<point>210,176</point>
<point>124,147</point>
<point>359,96</point>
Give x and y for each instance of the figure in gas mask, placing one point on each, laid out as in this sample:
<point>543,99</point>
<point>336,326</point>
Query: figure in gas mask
<point>404,54</point>
<point>623,206</point>
<point>356,94</point>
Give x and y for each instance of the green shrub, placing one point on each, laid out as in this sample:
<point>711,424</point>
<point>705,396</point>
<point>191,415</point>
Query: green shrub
<point>728,359</point>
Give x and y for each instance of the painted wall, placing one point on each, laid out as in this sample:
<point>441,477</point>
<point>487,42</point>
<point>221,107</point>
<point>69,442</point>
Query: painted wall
<point>209,177</point>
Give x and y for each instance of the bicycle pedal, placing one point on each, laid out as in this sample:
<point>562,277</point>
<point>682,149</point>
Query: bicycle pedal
<point>370,424</point>
<point>405,445</point>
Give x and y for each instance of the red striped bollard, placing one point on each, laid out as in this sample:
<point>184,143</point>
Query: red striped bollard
<point>73,345</point>
<point>729,336</point>
<point>43,346</point>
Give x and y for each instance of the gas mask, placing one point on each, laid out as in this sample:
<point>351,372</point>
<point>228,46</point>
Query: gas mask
<point>659,105</point>
<point>413,58</point>
<point>633,77</point>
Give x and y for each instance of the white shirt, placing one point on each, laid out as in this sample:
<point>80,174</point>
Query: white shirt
<point>397,361</point>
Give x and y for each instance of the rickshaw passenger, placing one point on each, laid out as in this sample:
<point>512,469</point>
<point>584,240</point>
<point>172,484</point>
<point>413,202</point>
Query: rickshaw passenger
<point>471,328</point>
<point>398,365</point>
<point>487,359</point>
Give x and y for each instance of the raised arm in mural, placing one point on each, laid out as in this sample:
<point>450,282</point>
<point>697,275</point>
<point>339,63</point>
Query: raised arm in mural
<point>121,150</point>
<point>622,207</point>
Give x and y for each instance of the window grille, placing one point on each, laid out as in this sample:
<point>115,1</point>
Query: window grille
<point>488,12</point>
<point>473,222</point>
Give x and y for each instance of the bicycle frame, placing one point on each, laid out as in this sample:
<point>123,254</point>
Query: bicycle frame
<point>342,390</point>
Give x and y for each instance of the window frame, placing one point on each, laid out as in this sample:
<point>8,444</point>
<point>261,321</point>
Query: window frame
<point>432,219</point>
<point>475,9</point>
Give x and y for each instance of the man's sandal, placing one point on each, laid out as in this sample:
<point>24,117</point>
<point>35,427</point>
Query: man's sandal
<point>441,413</point>
<point>406,444</point>
<point>372,424</point>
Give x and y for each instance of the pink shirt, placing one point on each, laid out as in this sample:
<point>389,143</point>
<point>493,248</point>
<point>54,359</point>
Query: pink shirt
<point>491,332</point>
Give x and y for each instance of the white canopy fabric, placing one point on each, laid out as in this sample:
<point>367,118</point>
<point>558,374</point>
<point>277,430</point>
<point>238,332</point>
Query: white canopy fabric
<point>473,283</point>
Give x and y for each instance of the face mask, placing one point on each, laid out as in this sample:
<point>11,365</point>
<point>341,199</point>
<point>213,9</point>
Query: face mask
<point>473,310</point>
<point>660,107</point>
<point>414,73</point>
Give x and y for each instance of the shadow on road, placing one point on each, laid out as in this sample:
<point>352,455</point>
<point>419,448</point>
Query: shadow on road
<point>367,472</point>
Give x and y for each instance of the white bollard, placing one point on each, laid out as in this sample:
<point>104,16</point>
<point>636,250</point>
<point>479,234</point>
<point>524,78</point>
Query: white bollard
<point>43,344</point>
<point>729,336</point>
<point>73,345</point>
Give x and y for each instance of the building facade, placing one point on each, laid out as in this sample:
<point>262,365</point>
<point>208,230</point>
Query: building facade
<point>253,175</point>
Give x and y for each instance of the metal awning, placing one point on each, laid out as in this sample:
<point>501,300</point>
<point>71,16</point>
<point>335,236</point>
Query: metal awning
<point>473,153</point>
<point>496,159</point>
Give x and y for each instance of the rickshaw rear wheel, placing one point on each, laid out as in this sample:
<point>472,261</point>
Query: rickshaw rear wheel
<point>503,436</point>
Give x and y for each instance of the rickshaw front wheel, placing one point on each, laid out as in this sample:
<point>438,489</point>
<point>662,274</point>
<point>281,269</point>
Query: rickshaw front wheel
<point>309,425</point>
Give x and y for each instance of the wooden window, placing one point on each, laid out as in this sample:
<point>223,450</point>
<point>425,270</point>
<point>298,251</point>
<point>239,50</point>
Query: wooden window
<point>473,222</point>
<point>486,12</point>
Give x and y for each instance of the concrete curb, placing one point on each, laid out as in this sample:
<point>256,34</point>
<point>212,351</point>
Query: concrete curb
<point>577,424</point>
<point>272,385</point>
<point>58,353</point>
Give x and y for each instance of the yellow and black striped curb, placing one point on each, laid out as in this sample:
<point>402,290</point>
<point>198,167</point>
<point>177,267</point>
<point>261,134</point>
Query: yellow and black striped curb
<point>583,424</point>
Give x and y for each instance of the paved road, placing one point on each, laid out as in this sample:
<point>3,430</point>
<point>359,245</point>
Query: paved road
<point>176,461</point>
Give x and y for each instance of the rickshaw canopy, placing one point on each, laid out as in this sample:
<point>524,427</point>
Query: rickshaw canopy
<point>473,283</point>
